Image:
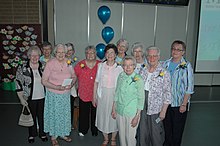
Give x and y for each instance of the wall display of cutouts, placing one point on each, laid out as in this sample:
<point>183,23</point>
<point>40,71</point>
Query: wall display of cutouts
<point>15,40</point>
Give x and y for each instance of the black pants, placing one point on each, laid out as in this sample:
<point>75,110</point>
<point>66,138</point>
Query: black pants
<point>87,111</point>
<point>37,111</point>
<point>174,123</point>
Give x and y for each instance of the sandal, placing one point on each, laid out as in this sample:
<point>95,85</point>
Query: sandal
<point>67,139</point>
<point>113,142</point>
<point>54,142</point>
<point>105,143</point>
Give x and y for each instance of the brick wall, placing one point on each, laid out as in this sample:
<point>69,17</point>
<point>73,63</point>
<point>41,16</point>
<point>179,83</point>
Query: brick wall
<point>19,11</point>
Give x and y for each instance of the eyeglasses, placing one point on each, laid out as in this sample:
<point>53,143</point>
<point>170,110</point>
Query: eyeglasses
<point>138,52</point>
<point>128,65</point>
<point>152,56</point>
<point>178,50</point>
<point>122,46</point>
<point>90,52</point>
<point>60,52</point>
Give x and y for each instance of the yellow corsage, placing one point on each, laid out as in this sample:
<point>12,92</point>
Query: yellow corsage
<point>183,65</point>
<point>161,74</point>
<point>69,62</point>
<point>134,79</point>
<point>75,59</point>
<point>82,65</point>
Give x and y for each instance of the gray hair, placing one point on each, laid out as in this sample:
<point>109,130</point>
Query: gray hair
<point>153,48</point>
<point>123,41</point>
<point>128,57</point>
<point>137,45</point>
<point>58,46</point>
<point>90,47</point>
<point>33,48</point>
<point>70,45</point>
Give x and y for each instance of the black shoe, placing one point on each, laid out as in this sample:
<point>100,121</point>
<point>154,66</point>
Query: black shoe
<point>94,133</point>
<point>31,139</point>
<point>44,138</point>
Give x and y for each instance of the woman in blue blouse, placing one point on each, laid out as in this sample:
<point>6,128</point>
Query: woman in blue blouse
<point>182,87</point>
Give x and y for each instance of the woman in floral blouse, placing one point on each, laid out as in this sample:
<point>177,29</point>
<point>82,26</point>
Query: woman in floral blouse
<point>157,98</point>
<point>31,92</point>
<point>128,102</point>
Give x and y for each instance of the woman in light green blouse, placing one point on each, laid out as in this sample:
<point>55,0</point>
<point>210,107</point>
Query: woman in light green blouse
<point>128,102</point>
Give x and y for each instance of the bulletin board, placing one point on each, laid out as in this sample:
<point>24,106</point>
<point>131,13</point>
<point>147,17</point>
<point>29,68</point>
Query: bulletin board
<point>15,40</point>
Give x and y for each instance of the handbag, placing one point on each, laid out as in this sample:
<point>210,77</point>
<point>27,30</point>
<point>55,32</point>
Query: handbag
<point>26,120</point>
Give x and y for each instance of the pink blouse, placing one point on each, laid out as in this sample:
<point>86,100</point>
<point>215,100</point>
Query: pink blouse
<point>55,73</point>
<point>107,75</point>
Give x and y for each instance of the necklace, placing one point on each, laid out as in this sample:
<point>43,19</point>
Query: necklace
<point>36,73</point>
<point>61,66</point>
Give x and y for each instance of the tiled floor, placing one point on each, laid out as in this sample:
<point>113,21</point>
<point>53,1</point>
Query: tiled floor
<point>202,127</point>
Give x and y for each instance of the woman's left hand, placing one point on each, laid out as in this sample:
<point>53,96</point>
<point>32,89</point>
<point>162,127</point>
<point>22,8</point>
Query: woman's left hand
<point>182,109</point>
<point>135,120</point>
<point>162,115</point>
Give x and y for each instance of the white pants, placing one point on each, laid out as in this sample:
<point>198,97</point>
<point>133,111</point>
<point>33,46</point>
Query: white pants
<point>126,132</point>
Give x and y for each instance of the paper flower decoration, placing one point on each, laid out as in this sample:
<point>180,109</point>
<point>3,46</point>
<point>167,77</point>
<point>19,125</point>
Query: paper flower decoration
<point>11,76</point>
<point>5,42</point>
<point>6,80</point>
<point>3,31</point>
<point>19,30</point>
<point>6,66</point>
<point>11,32</point>
<point>24,27</point>
<point>9,27</point>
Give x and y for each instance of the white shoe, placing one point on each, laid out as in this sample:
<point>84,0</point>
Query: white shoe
<point>80,134</point>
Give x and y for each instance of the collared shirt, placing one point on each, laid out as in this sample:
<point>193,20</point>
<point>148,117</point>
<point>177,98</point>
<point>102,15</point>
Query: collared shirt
<point>129,96</point>
<point>86,78</point>
<point>43,59</point>
<point>159,89</point>
<point>182,81</point>
<point>140,66</point>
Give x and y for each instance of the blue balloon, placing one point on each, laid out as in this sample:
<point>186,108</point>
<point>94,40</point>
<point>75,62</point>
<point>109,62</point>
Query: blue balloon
<point>107,34</point>
<point>100,50</point>
<point>104,14</point>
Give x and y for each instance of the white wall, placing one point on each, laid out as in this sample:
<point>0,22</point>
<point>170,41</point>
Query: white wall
<point>151,24</point>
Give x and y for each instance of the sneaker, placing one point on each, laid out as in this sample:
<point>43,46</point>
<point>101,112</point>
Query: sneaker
<point>80,134</point>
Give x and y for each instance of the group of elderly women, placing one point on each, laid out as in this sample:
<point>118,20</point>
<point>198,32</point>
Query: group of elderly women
<point>139,97</point>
